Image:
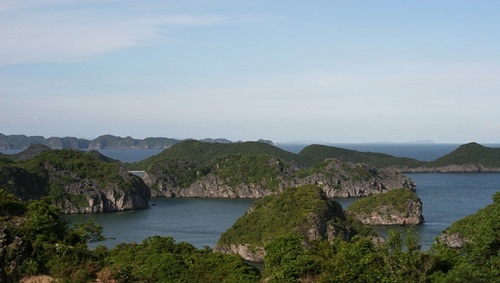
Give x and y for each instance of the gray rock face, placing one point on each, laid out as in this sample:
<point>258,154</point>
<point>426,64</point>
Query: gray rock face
<point>91,196</point>
<point>455,240</point>
<point>247,252</point>
<point>345,180</point>
<point>396,207</point>
<point>337,179</point>
<point>387,215</point>
<point>207,187</point>
<point>470,168</point>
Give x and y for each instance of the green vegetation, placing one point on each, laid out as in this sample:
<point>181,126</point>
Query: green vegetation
<point>245,169</point>
<point>80,165</point>
<point>315,153</point>
<point>264,170</point>
<point>34,240</point>
<point>470,154</point>
<point>202,152</point>
<point>358,260</point>
<point>397,199</point>
<point>64,175</point>
<point>160,259</point>
<point>296,210</point>
<point>468,226</point>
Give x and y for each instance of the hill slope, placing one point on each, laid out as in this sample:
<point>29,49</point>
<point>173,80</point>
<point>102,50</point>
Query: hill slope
<point>317,153</point>
<point>77,182</point>
<point>471,157</point>
<point>203,152</point>
<point>475,227</point>
<point>468,154</point>
<point>304,211</point>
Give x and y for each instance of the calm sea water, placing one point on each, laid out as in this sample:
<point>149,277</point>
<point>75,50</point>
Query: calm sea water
<point>446,198</point>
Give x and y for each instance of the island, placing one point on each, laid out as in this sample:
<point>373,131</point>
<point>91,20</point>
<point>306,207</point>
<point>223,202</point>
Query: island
<point>75,181</point>
<point>395,207</point>
<point>256,169</point>
<point>304,211</point>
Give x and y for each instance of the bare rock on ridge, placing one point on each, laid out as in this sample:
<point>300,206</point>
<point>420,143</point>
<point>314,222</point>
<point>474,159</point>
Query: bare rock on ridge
<point>178,178</point>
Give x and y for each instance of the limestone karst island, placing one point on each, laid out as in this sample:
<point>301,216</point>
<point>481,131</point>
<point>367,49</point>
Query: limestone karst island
<point>294,232</point>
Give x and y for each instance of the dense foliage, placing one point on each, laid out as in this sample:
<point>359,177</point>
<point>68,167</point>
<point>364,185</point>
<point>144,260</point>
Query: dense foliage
<point>70,178</point>
<point>315,153</point>
<point>160,259</point>
<point>470,154</point>
<point>35,240</point>
<point>82,165</point>
<point>204,152</point>
<point>296,210</point>
<point>467,226</point>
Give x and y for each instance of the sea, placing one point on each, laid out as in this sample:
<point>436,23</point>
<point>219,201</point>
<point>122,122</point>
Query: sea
<point>446,198</point>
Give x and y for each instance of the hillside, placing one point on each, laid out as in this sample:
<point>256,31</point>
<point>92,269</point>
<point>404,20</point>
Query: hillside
<point>76,182</point>
<point>203,152</point>
<point>471,157</point>
<point>475,227</point>
<point>259,175</point>
<point>304,211</point>
<point>469,154</point>
<point>317,153</point>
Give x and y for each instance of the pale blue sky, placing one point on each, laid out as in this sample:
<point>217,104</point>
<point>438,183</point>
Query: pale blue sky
<point>336,71</point>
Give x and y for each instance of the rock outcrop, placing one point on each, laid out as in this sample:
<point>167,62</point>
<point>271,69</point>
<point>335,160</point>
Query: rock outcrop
<point>93,196</point>
<point>397,207</point>
<point>453,240</point>
<point>247,252</point>
<point>335,178</point>
<point>345,180</point>
<point>77,182</point>
<point>468,168</point>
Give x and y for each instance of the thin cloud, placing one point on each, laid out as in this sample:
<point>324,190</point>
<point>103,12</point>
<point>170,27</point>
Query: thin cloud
<point>59,33</point>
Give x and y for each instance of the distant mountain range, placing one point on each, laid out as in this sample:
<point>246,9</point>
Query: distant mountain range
<point>101,142</point>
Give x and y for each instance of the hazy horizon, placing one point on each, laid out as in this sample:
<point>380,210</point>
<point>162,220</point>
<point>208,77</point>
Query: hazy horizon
<point>336,71</point>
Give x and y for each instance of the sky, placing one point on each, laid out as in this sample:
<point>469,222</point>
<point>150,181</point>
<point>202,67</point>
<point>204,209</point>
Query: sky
<point>331,71</point>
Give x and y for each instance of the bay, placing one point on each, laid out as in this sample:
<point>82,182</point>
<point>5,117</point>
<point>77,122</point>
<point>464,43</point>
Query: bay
<point>197,221</point>
<point>446,197</point>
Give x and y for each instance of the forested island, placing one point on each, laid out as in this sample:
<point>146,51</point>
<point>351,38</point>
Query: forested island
<point>88,182</point>
<point>295,229</point>
<point>75,181</point>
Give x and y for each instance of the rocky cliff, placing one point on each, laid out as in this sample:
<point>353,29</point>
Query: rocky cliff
<point>344,180</point>
<point>77,182</point>
<point>396,207</point>
<point>335,178</point>
<point>87,195</point>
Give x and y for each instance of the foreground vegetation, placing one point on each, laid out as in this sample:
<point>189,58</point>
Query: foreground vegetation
<point>34,240</point>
